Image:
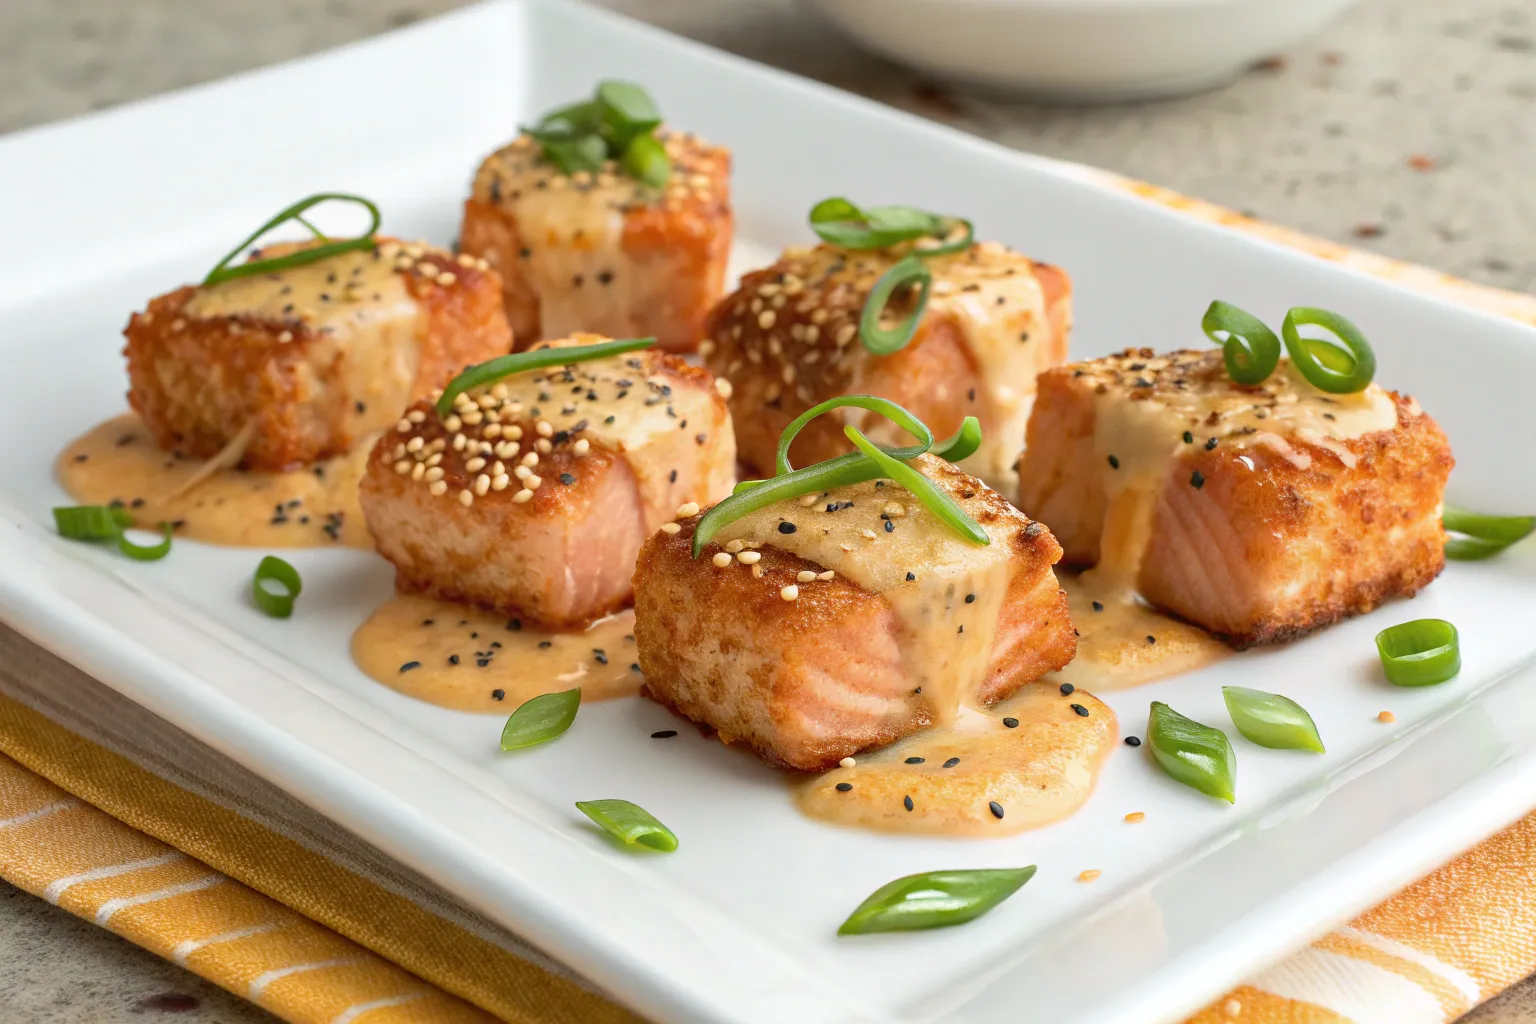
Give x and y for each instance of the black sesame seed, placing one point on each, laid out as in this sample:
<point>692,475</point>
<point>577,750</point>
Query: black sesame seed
<point>1133,741</point>
<point>427,622</point>
<point>498,694</point>
<point>664,734</point>
<point>545,644</point>
<point>1114,463</point>
<point>482,662</point>
<point>453,659</point>
<point>844,787</point>
<point>1197,480</point>
<point>1066,689</point>
<point>1098,606</point>
<point>906,802</point>
<point>996,808</point>
<point>567,479</point>
<point>1151,639</point>
<point>1210,444</point>
<point>786,527</point>
<point>1012,723</point>
<point>410,665</point>
<point>1189,438</point>
<point>916,760</point>
<point>951,762</point>
<point>1082,711</point>
<point>970,598</point>
<point>910,577</point>
<point>602,659</point>
<point>515,625</point>
<point>890,527</point>
<point>672,477</point>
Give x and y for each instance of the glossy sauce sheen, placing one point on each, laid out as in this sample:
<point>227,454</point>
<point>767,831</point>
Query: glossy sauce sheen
<point>315,506</point>
<point>947,642</point>
<point>364,321</point>
<point>1121,642</point>
<point>1040,771</point>
<point>409,642</point>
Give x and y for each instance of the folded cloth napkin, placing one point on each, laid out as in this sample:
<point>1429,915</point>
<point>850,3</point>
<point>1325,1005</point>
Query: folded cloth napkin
<point>119,818</point>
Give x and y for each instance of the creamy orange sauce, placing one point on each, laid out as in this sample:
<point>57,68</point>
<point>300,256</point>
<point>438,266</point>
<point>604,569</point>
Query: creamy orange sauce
<point>949,609</point>
<point>1038,771</point>
<point>470,660</point>
<point>1121,642</point>
<point>316,506</point>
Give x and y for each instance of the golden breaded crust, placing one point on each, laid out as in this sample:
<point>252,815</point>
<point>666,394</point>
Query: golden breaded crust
<point>807,682</point>
<point>671,253</point>
<point>198,381</point>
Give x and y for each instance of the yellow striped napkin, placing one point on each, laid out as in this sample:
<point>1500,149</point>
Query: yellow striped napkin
<point>115,816</point>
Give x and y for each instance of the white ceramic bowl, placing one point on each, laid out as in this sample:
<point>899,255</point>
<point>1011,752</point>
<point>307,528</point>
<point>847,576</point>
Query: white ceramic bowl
<point>1081,50</point>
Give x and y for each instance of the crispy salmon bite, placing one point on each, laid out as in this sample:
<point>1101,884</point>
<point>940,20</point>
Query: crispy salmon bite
<point>790,337</point>
<point>1259,512</point>
<point>814,628</point>
<point>533,494</point>
<point>299,363</point>
<point>620,244</point>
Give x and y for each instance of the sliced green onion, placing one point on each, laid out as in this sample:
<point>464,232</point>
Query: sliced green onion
<point>645,159</point>
<point>1271,720</point>
<point>1250,349</point>
<point>534,359</point>
<point>925,490</point>
<point>1338,367</point>
<point>147,552</point>
<point>963,443</point>
<point>274,571</point>
<point>882,341</point>
<point>1194,754</point>
<point>627,109</point>
<point>630,823</point>
<point>1483,536</point>
<point>91,522</point>
<point>1419,653</point>
<point>890,410</point>
<point>846,225</point>
<point>843,471</point>
<point>540,719</point>
<point>934,899</point>
<point>222,271</point>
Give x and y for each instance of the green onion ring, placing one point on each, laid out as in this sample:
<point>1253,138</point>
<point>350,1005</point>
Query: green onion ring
<point>91,522</point>
<point>922,488</point>
<point>961,445</point>
<point>1338,368</point>
<point>885,407</point>
<point>1419,653</point>
<point>1250,349</point>
<point>147,552</point>
<point>840,222</point>
<point>274,569</point>
<point>1484,535</point>
<point>223,272</point>
<point>964,242</point>
<point>843,471</point>
<point>629,823</point>
<point>883,341</point>
<point>533,359</point>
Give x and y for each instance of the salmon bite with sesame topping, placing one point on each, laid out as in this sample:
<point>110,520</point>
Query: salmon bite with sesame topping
<point>533,494</point>
<point>298,364</point>
<point>790,337</point>
<point>817,627</point>
<point>611,246</point>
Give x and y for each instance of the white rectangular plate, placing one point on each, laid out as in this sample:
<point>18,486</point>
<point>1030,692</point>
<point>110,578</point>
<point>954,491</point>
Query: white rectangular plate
<point>738,925</point>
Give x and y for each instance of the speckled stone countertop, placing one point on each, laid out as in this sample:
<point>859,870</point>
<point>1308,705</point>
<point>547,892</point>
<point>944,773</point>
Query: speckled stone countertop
<point>1409,128</point>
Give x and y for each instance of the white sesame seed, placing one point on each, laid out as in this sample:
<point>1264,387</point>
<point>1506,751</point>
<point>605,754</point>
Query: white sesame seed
<point>670,528</point>
<point>809,499</point>
<point>416,416</point>
<point>749,557</point>
<point>404,426</point>
<point>435,473</point>
<point>459,441</point>
<point>533,480</point>
<point>474,465</point>
<point>845,334</point>
<point>721,559</point>
<point>706,347</point>
<point>522,496</point>
<point>790,592</point>
<point>415,444</point>
<point>689,508</point>
<point>418,471</point>
<point>766,319</point>
<point>466,498</point>
<point>491,430</point>
<point>723,387</point>
<point>805,576</point>
<point>847,762</point>
<point>482,484</point>
<point>735,546</point>
<point>505,450</point>
<point>869,534</point>
<point>453,424</point>
<point>438,488</point>
<point>430,269</point>
<point>544,445</point>
<point>474,417</point>
<point>824,576</point>
<point>445,279</point>
<point>582,446</point>
<point>531,459</point>
<point>894,509</point>
<point>522,472</point>
<point>466,260</point>
<point>544,428</point>
<point>499,391</point>
<point>434,458</point>
<point>285,336</point>
<point>403,467</point>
